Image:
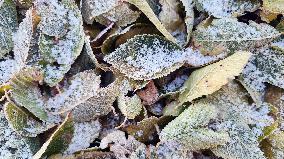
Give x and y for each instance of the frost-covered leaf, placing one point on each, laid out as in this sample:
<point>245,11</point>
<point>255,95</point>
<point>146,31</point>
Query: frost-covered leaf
<point>228,35</point>
<point>190,129</point>
<point>26,93</point>
<point>99,105</point>
<point>6,42</point>
<point>145,57</point>
<point>129,106</point>
<point>243,122</point>
<point>121,146</point>
<point>274,6</point>
<point>23,122</point>
<point>83,86</point>
<point>146,9</point>
<point>275,145</point>
<point>227,8</point>
<point>23,37</point>
<point>8,12</point>
<point>93,8</point>
<point>243,144</point>
<point>12,145</point>
<point>7,69</point>
<point>84,134</point>
<point>266,66</point>
<point>278,44</point>
<point>121,15</point>
<point>211,78</point>
<point>173,150</point>
<point>59,53</point>
<point>60,139</point>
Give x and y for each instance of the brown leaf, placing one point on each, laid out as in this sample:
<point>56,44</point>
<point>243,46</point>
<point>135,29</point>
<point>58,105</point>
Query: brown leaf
<point>150,94</point>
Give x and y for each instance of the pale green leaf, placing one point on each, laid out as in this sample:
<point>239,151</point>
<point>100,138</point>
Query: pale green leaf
<point>26,93</point>
<point>228,35</point>
<point>129,106</point>
<point>211,78</point>
<point>23,122</point>
<point>190,129</point>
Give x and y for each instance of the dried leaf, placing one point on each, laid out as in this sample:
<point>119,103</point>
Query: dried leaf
<point>211,78</point>
<point>229,35</point>
<point>150,94</point>
<point>274,6</point>
<point>146,9</point>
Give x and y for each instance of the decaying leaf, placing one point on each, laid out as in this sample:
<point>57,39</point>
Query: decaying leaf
<point>121,15</point>
<point>121,146</point>
<point>228,35</point>
<point>211,78</point>
<point>149,94</point>
<point>227,8</point>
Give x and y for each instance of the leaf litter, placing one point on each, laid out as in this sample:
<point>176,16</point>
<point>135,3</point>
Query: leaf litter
<point>141,79</point>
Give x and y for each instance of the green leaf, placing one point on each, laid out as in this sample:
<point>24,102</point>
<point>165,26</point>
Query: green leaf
<point>211,78</point>
<point>190,129</point>
<point>59,140</point>
<point>228,35</point>
<point>23,122</point>
<point>6,42</point>
<point>146,9</point>
<point>146,57</point>
<point>227,8</point>
<point>26,93</point>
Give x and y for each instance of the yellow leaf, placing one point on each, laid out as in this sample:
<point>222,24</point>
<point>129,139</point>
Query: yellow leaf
<point>211,78</point>
<point>274,6</point>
